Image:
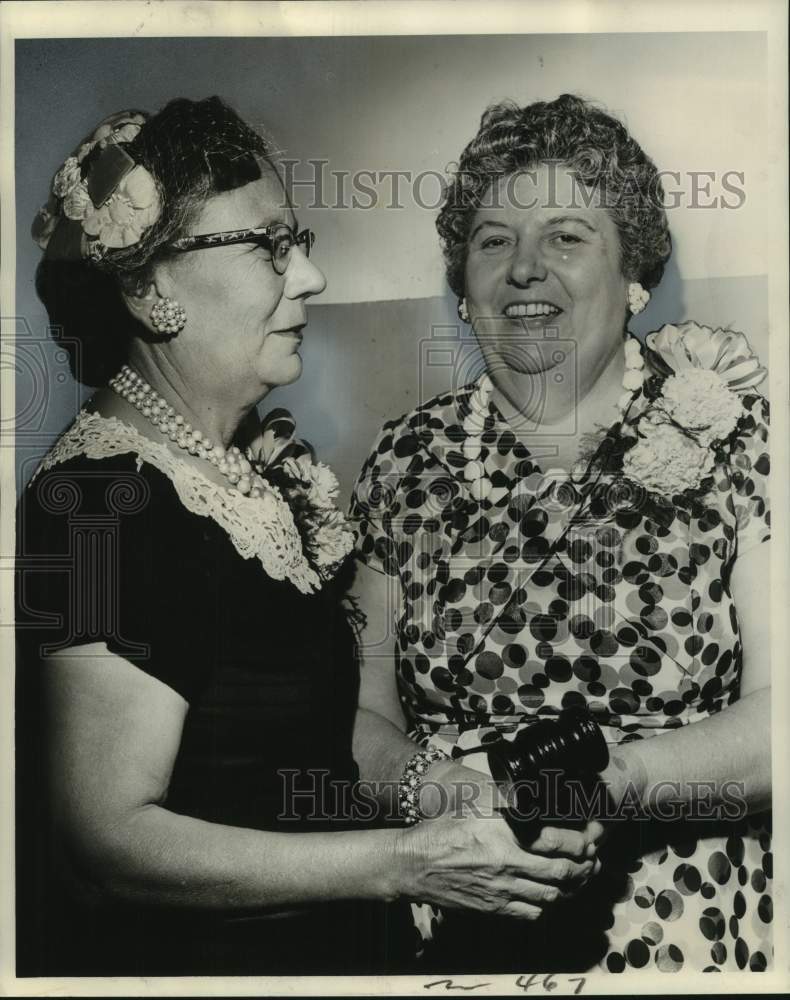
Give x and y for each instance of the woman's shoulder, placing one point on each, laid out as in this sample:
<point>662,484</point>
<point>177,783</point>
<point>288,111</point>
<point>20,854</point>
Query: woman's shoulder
<point>80,482</point>
<point>741,474</point>
<point>749,450</point>
<point>749,459</point>
<point>96,473</point>
<point>121,471</point>
<point>398,438</point>
<point>757,415</point>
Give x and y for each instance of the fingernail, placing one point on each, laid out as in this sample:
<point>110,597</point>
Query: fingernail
<point>591,850</point>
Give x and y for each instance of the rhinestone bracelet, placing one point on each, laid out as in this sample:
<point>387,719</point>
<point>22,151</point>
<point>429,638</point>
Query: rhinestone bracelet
<point>411,780</point>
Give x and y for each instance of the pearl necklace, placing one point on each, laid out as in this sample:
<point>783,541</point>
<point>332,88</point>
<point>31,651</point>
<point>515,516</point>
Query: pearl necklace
<point>236,468</point>
<point>480,484</point>
<point>634,375</point>
<point>475,473</point>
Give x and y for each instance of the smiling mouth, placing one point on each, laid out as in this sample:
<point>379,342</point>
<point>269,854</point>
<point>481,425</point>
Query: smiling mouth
<point>540,311</point>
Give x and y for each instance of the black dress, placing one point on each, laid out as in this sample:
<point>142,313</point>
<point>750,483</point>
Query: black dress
<point>108,552</point>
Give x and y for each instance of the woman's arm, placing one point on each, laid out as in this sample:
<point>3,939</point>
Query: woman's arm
<point>731,751</point>
<point>114,733</point>
<point>382,749</point>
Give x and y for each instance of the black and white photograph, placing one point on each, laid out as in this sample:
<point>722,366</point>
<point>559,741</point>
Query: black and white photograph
<point>387,475</point>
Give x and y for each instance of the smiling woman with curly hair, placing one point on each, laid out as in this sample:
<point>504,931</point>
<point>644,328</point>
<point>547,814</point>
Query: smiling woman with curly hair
<point>594,146</point>
<point>576,525</point>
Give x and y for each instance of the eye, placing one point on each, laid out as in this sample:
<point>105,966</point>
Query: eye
<point>282,242</point>
<point>495,244</point>
<point>253,245</point>
<point>565,240</point>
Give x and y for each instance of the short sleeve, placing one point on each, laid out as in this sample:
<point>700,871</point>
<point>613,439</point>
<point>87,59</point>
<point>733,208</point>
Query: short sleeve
<point>375,501</point>
<point>750,468</point>
<point>103,555</point>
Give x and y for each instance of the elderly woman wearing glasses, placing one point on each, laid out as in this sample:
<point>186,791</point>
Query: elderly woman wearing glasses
<point>187,790</point>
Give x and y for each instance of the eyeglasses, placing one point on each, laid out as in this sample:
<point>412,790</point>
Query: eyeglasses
<point>279,239</point>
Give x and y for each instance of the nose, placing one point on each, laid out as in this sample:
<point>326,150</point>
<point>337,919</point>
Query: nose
<point>302,277</point>
<point>526,264</point>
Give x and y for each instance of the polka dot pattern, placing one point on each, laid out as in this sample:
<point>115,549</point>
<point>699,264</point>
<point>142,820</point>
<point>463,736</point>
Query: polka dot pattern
<point>532,603</point>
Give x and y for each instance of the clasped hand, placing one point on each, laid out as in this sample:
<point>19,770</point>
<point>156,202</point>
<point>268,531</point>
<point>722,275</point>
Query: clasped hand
<point>468,857</point>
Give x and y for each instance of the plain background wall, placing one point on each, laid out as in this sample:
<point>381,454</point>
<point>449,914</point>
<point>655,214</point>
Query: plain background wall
<point>694,101</point>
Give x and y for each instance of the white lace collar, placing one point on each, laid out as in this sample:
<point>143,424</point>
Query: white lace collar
<point>258,527</point>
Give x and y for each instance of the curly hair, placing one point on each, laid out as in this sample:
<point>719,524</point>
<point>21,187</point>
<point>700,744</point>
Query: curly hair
<point>592,144</point>
<point>193,150</point>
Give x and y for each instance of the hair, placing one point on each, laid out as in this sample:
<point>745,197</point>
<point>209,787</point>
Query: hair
<point>193,150</point>
<point>595,146</point>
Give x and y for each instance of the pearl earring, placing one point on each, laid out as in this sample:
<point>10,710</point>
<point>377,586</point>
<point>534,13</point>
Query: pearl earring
<point>168,316</point>
<point>638,297</point>
<point>463,312</point>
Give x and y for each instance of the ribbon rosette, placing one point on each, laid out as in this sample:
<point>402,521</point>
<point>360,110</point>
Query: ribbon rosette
<point>674,349</point>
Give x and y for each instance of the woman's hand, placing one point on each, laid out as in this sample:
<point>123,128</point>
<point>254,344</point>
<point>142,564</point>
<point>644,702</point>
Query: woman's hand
<point>559,858</point>
<point>476,863</point>
<point>452,789</point>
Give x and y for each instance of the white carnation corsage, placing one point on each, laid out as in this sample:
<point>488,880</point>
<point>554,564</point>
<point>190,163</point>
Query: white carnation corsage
<point>690,407</point>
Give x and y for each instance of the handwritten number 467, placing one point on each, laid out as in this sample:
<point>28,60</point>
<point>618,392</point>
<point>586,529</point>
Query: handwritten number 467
<point>547,983</point>
<point>524,983</point>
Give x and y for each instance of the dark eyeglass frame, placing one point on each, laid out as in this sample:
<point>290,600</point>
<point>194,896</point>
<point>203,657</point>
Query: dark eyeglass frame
<point>263,236</point>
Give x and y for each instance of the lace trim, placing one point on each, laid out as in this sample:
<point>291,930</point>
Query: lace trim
<point>261,527</point>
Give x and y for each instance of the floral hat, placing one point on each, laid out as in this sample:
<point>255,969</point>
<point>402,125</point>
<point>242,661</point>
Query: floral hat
<point>100,198</point>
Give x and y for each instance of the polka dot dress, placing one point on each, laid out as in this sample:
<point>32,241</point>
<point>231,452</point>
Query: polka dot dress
<point>550,598</point>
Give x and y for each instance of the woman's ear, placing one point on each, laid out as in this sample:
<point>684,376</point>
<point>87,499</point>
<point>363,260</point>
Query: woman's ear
<point>141,300</point>
<point>139,303</point>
